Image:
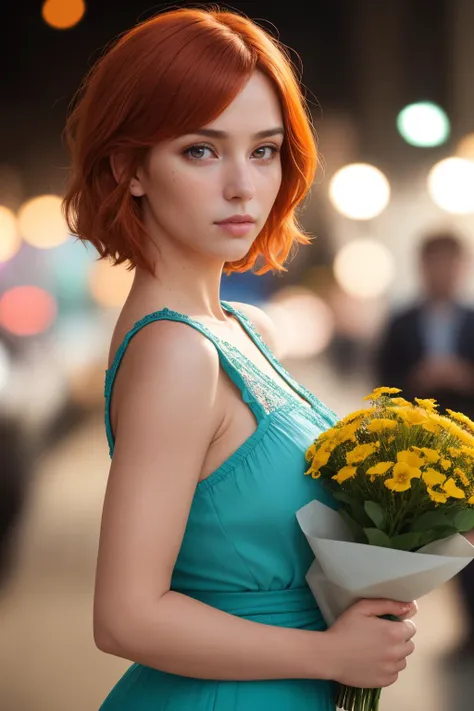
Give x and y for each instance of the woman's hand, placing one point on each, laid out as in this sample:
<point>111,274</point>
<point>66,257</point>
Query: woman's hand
<point>369,652</point>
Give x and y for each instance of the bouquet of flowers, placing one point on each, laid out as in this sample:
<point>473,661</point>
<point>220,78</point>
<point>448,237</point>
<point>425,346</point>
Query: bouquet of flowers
<point>402,476</point>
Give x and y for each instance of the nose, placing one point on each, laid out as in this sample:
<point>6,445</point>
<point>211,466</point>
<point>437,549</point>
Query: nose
<point>238,183</point>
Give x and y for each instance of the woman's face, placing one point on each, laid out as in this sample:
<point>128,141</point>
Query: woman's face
<point>229,167</point>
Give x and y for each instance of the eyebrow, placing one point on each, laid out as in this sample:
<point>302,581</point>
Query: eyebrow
<point>214,133</point>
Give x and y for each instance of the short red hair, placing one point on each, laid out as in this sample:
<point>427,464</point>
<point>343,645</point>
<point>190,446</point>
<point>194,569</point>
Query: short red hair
<point>164,78</point>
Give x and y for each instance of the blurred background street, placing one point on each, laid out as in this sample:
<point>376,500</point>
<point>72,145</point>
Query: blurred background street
<point>383,296</point>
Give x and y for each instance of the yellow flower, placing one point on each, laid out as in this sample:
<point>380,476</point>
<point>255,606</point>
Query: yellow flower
<point>460,417</point>
<point>412,415</point>
<point>427,403</point>
<point>434,422</point>
<point>431,477</point>
<point>454,452</point>
<point>378,392</point>
<point>462,476</point>
<point>452,490</point>
<point>410,458</point>
<point>401,402</point>
<point>318,458</point>
<point>357,415</point>
<point>445,463</point>
<point>471,501</point>
<point>361,452</point>
<point>321,458</point>
<point>437,496</point>
<point>467,451</point>
<point>454,429</point>
<point>310,452</point>
<point>430,455</point>
<point>379,469</point>
<point>430,426</point>
<point>380,424</point>
<point>344,474</point>
<point>402,476</point>
<point>391,439</point>
<point>346,433</point>
<point>329,443</point>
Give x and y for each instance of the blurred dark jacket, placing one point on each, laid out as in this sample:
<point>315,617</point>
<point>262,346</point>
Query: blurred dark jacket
<point>406,341</point>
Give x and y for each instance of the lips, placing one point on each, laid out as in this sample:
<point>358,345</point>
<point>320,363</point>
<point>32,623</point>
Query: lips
<point>237,219</point>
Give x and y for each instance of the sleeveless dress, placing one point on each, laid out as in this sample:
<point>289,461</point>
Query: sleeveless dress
<point>243,551</point>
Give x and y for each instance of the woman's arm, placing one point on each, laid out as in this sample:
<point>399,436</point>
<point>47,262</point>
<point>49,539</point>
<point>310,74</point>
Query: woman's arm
<point>183,636</point>
<point>166,416</point>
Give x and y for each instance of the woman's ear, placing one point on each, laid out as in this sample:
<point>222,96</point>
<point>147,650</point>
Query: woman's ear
<point>118,166</point>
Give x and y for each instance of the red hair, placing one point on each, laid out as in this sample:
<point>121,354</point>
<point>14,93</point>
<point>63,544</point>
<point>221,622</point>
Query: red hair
<point>164,78</point>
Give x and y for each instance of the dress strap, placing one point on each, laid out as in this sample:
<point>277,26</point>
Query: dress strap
<point>228,365</point>
<point>326,416</point>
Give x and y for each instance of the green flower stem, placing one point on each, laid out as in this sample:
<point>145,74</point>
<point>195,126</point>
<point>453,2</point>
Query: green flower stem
<point>351,698</point>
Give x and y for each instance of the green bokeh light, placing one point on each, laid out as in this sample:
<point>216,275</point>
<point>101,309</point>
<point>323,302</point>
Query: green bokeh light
<point>423,124</point>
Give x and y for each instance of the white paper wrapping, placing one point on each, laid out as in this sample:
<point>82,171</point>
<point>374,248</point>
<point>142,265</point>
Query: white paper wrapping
<point>344,571</point>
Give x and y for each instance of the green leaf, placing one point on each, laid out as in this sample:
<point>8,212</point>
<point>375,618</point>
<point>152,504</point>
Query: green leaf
<point>358,514</point>
<point>354,527</point>
<point>344,497</point>
<point>375,513</point>
<point>377,538</point>
<point>464,520</point>
<point>451,514</point>
<point>354,508</point>
<point>428,520</point>
<point>436,534</point>
<point>406,541</point>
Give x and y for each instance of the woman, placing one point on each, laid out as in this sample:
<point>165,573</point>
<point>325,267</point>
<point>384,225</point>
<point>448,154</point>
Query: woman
<point>191,149</point>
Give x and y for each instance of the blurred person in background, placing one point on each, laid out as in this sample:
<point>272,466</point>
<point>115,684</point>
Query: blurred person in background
<point>191,148</point>
<point>427,350</point>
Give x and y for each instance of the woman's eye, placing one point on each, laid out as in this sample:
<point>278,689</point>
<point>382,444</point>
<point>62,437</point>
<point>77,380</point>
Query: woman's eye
<point>197,152</point>
<point>271,152</point>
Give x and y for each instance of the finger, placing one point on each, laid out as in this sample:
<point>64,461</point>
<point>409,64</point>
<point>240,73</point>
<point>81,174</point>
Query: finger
<point>411,612</point>
<point>410,628</point>
<point>380,607</point>
<point>401,665</point>
<point>408,648</point>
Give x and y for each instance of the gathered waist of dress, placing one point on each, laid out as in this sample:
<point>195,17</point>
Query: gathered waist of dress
<point>290,607</point>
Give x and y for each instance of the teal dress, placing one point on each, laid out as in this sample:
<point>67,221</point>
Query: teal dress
<point>243,551</point>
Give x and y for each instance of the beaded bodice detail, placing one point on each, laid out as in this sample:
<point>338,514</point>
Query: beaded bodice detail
<point>262,393</point>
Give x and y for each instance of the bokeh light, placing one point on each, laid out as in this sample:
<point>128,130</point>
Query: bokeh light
<point>27,310</point>
<point>109,285</point>
<point>359,191</point>
<point>303,321</point>
<point>10,240</point>
<point>41,222</point>
<point>63,14</point>
<point>451,185</point>
<point>364,268</point>
<point>423,124</point>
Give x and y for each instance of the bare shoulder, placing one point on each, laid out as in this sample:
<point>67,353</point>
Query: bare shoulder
<point>164,358</point>
<point>174,346</point>
<point>261,322</point>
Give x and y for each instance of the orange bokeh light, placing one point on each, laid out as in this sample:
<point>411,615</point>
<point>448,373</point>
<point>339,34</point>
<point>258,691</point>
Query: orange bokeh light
<point>63,14</point>
<point>27,310</point>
